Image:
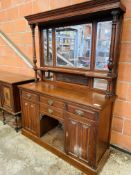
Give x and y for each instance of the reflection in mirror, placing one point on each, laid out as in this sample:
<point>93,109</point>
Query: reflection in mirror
<point>47,34</point>
<point>49,76</point>
<point>73,46</point>
<point>104,30</point>
<point>100,84</point>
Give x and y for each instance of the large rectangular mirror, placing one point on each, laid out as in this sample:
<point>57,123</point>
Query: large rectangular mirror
<point>73,46</point>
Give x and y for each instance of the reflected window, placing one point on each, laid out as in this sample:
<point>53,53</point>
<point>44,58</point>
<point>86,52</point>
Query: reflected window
<point>100,84</point>
<point>103,42</point>
<point>73,46</point>
<point>47,34</point>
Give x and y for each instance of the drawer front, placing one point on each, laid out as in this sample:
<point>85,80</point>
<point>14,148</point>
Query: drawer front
<point>83,113</point>
<point>30,96</point>
<point>52,102</point>
<point>51,111</point>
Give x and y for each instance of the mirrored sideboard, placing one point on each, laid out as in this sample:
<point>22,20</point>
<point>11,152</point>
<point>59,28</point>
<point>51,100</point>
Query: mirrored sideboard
<point>69,110</point>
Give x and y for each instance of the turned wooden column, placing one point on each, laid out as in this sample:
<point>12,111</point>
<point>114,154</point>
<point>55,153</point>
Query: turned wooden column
<point>113,41</point>
<point>34,50</point>
<point>112,56</point>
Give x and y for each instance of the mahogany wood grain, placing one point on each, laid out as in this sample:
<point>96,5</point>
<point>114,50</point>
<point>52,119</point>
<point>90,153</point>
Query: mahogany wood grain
<point>85,112</point>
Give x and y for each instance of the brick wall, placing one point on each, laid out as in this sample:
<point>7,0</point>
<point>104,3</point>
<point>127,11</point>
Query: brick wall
<point>13,24</point>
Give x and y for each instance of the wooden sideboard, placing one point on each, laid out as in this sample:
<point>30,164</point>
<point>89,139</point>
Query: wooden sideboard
<point>9,94</point>
<point>67,122</point>
<point>69,110</point>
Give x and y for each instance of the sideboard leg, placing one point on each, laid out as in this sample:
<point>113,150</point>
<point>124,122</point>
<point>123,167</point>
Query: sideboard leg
<point>4,118</point>
<point>16,123</point>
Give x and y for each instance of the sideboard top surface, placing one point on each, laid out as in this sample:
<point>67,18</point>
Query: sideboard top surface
<point>84,97</point>
<point>12,78</point>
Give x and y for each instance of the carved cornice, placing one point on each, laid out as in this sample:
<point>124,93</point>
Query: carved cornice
<point>85,8</point>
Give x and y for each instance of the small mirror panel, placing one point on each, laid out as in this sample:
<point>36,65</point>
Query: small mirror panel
<point>100,84</point>
<point>73,46</point>
<point>47,34</point>
<point>103,41</point>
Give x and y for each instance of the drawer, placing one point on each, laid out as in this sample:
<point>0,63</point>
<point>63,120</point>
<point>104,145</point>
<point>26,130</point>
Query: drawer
<point>82,112</point>
<point>52,102</point>
<point>51,111</point>
<point>30,96</point>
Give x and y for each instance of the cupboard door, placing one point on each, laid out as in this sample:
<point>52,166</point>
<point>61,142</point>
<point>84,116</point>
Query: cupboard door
<point>25,114</point>
<point>84,141</point>
<point>80,140</point>
<point>30,116</point>
<point>34,118</point>
<point>72,146</point>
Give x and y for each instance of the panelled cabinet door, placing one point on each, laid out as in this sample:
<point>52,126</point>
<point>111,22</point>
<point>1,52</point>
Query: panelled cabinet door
<point>30,116</point>
<point>34,118</point>
<point>25,114</point>
<point>80,140</point>
<point>84,141</point>
<point>72,144</point>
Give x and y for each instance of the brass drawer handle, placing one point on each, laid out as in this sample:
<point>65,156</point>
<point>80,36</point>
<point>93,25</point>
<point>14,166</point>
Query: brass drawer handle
<point>50,102</point>
<point>29,96</point>
<point>79,112</point>
<point>32,106</point>
<point>26,104</point>
<point>50,111</point>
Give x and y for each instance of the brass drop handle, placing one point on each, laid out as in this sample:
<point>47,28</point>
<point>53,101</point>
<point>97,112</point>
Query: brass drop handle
<point>29,96</point>
<point>79,112</point>
<point>50,111</point>
<point>67,134</point>
<point>26,104</point>
<point>50,102</point>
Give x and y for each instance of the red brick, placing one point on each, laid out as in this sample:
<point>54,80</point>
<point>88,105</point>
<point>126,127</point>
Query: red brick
<point>8,27</point>
<point>5,3</point>
<point>120,140</point>
<point>59,3</point>
<point>126,34</point>
<point>122,109</point>
<point>25,9</point>
<point>127,127</point>
<point>125,52</point>
<point>124,72</point>
<point>117,124</point>
<point>40,5</point>
<point>12,13</point>
<point>3,16</point>
<point>129,93</point>
<point>20,25</point>
<point>127,4</point>
<point>16,2</point>
<point>122,90</point>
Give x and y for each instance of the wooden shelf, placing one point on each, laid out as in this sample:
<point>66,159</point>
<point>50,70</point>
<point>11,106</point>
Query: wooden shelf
<point>86,73</point>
